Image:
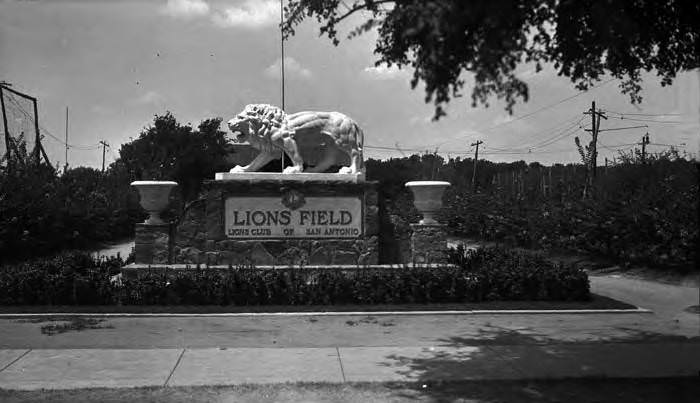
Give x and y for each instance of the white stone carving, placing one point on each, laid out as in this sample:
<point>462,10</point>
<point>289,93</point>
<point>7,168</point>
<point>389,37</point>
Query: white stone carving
<point>269,129</point>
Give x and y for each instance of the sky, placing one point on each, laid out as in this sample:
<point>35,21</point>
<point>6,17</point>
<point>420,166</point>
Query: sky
<point>115,64</point>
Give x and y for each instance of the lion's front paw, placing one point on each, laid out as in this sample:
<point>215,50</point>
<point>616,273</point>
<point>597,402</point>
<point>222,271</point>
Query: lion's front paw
<point>345,170</point>
<point>292,170</point>
<point>237,169</point>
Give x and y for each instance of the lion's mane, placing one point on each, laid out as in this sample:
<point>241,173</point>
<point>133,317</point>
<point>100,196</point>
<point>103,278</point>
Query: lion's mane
<point>270,117</point>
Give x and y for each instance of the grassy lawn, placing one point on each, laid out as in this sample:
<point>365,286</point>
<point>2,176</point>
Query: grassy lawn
<point>596,302</point>
<point>677,390</point>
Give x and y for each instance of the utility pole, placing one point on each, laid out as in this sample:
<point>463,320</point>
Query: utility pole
<point>595,129</point>
<point>65,167</point>
<point>645,141</point>
<point>104,147</point>
<point>476,158</point>
<point>4,123</point>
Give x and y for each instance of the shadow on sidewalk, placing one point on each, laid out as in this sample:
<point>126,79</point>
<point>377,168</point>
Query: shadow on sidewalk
<point>511,356</point>
<point>663,390</point>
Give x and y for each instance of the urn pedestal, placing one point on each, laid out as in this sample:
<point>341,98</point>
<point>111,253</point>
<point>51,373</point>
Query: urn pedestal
<point>429,237</point>
<point>153,244</point>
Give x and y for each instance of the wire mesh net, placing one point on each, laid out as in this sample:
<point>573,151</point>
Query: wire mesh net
<point>19,115</point>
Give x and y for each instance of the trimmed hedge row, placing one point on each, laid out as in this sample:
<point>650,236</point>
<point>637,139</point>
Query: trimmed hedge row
<point>484,275</point>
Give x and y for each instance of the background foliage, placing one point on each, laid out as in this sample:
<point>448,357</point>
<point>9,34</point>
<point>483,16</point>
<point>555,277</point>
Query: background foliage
<point>168,150</point>
<point>641,213</point>
<point>43,211</point>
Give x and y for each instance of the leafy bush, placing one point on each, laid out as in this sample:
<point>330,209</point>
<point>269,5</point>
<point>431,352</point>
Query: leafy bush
<point>42,211</point>
<point>512,275</point>
<point>490,274</point>
<point>639,212</point>
<point>71,278</point>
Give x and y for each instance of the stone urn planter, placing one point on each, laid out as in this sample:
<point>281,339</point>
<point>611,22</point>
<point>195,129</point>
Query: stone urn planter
<point>154,197</point>
<point>427,197</point>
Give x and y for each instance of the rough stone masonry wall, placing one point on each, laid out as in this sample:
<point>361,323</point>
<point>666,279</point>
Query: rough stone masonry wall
<point>199,236</point>
<point>428,243</point>
<point>153,243</point>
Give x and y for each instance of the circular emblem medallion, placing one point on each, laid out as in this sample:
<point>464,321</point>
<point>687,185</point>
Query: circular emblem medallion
<point>293,199</point>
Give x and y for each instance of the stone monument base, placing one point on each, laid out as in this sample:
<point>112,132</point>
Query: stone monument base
<point>271,220</point>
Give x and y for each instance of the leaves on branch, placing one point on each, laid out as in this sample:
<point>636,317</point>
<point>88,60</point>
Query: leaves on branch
<point>584,40</point>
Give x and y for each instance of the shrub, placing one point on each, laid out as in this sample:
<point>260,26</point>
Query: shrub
<point>511,275</point>
<point>71,278</point>
<point>488,274</point>
<point>641,212</point>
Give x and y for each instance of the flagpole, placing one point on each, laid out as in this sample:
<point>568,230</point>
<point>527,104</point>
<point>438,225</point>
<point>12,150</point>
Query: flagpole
<point>282,66</point>
<point>282,47</point>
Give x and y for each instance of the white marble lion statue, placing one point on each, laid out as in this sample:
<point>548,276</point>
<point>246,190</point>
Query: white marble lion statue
<point>300,135</point>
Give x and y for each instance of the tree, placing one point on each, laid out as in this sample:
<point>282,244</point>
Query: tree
<point>583,39</point>
<point>169,150</point>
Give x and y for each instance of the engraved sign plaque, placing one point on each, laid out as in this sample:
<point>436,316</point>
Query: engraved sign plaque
<point>293,216</point>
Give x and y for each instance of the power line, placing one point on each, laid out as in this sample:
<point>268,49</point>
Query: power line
<point>617,145</point>
<point>568,123</point>
<point>565,133</point>
<point>46,131</point>
<point>666,145</point>
<point>643,114</point>
<point>549,106</point>
<point>429,146</point>
<point>647,120</point>
<point>622,128</point>
<point>525,152</point>
<point>527,115</point>
<point>462,152</point>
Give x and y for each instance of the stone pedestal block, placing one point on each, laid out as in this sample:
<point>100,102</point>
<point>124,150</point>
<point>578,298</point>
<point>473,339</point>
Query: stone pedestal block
<point>428,243</point>
<point>153,243</point>
<point>244,219</point>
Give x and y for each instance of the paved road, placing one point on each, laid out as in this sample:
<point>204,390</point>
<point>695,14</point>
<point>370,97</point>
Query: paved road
<point>131,351</point>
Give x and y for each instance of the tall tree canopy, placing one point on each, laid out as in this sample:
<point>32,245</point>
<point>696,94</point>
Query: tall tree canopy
<point>583,39</point>
<point>169,150</point>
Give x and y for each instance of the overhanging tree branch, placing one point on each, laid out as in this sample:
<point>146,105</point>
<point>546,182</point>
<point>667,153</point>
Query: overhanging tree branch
<point>584,41</point>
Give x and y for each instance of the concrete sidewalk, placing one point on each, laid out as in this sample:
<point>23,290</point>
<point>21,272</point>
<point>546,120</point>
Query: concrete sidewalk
<point>81,368</point>
<point>129,352</point>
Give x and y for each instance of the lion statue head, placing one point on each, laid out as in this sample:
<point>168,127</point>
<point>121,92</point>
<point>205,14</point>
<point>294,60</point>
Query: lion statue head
<point>255,124</point>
